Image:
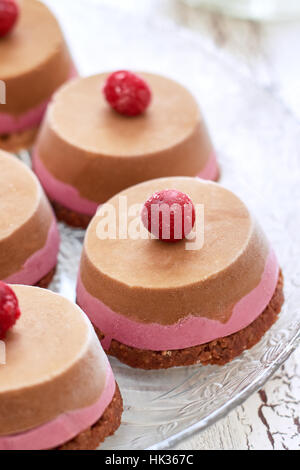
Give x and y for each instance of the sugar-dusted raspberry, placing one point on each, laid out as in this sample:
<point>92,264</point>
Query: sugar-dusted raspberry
<point>9,309</point>
<point>127,93</point>
<point>169,215</point>
<point>9,13</point>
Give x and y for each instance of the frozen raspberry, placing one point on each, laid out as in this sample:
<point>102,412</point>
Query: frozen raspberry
<point>9,309</point>
<point>9,13</point>
<point>127,93</point>
<point>169,215</point>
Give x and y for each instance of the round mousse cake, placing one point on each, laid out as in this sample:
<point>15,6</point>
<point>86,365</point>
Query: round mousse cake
<point>87,152</point>
<point>29,238</point>
<point>35,61</point>
<point>156,304</point>
<point>57,390</point>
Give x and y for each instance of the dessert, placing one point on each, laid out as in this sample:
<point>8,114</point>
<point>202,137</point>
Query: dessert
<point>29,239</point>
<point>52,351</point>
<point>35,61</point>
<point>87,152</point>
<point>156,304</point>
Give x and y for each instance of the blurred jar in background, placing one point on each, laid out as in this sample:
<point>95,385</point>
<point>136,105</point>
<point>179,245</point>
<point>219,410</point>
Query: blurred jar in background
<point>252,9</point>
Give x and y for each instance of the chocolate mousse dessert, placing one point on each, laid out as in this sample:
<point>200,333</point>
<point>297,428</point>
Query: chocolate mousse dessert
<point>29,238</point>
<point>93,145</point>
<point>52,352</point>
<point>159,301</point>
<point>35,61</point>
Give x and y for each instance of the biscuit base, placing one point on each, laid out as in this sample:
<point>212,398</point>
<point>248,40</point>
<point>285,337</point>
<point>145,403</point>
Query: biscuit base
<point>18,141</point>
<point>217,352</point>
<point>104,427</point>
<point>72,218</point>
<point>46,280</point>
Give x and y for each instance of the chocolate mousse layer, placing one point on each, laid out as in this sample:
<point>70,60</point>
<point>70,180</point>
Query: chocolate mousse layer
<point>150,281</point>
<point>35,60</point>
<point>86,145</point>
<point>25,215</point>
<point>51,353</point>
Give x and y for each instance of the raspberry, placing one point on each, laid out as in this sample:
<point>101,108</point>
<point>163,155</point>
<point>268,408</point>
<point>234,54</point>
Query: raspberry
<point>9,13</point>
<point>169,215</point>
<point>127,93</point>
<point>9,309</point>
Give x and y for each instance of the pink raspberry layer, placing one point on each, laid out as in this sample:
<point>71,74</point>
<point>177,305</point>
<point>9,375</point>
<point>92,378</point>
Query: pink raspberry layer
<point>63,428</point>
<point>61,192</point>
<point>40,263</point>
<point>69,196</point>
<point>211,170</point>
<point>10,124</point>
<point>192,331</point>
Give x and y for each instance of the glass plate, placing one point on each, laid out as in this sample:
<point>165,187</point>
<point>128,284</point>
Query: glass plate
<point>257,141</point>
